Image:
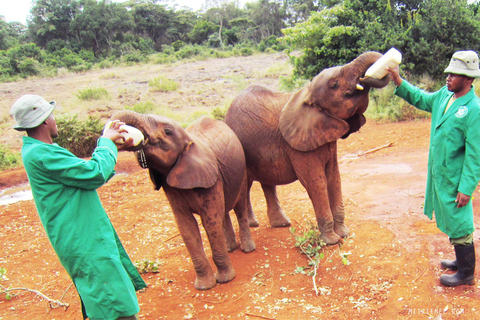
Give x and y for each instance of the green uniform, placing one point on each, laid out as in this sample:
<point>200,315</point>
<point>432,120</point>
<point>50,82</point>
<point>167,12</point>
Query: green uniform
<point>64,189</point>
<point>454,155</point>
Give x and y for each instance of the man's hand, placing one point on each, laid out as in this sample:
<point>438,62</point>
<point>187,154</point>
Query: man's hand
<point>114,133</point>
<point>462,200</point>
<point>394,73</point>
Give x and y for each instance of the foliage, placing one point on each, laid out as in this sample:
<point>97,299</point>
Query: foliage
<point>219,113</point>
<point>163,84</point>
<point>8,158</point>
<point>146,266</point>
<point>143,107</point>
<point>421,30</point>
<point>92,94</point>
<point>79,136</point>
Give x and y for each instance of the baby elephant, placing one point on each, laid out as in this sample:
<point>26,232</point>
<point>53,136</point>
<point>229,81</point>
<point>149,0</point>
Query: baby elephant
<point>202,171</point>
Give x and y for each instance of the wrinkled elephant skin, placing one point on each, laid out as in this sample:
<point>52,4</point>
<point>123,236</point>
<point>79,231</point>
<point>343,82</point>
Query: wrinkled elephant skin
<point>202,171</point>
<point>288,137</point>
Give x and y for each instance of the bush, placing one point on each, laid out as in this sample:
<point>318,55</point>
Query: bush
<point>8,158</point>
<point>142,107</point>
<point>92,94</point>
<point>163,84</point>
<point>28,67</point>
<point>79,136</point>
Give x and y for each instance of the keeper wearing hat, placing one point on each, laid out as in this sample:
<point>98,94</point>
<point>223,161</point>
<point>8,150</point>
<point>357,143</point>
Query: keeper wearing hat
<point>64,188</point>
<point>454,158</point>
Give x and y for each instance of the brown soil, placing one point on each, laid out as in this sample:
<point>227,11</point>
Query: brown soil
<point>394,251</point>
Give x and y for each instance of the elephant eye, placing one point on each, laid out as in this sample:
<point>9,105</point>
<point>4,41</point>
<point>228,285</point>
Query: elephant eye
<point>168,131</point>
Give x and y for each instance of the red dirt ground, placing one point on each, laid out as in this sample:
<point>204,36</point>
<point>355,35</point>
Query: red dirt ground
<point>394,250</point>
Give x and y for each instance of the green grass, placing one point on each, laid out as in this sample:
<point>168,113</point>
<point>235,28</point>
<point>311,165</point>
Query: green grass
<point>92,94</point>
<point>9,159</point>
<point>163,84</point>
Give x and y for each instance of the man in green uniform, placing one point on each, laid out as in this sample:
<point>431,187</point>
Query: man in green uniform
<point>64,190</point>
<point>454,158</point>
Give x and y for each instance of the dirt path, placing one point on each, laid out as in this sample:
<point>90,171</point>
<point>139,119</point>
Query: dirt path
<point>393,251</point>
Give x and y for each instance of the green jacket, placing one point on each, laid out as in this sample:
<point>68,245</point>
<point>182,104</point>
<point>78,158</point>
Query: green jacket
<point>454,155</point>
<point>64,190</point>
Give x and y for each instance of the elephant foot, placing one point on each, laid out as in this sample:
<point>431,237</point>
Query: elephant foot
<point>205,283</point>
<point>330,238</point>
<point>232,246</point>
<point>253,221</point>
<point>248,246</point>
<point>279,222</point>
<point>341,229</point>
<point>224,276</point>
<point>278,218</point>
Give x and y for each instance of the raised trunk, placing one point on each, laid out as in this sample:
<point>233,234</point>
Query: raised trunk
<point>361,64</point>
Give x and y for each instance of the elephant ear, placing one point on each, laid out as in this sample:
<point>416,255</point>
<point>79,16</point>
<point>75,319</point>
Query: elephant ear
<point>197,167</point>
<point>306,127</point>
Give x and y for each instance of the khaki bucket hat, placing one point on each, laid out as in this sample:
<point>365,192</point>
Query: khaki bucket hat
<point>464,63</point>
<point>30,111</point>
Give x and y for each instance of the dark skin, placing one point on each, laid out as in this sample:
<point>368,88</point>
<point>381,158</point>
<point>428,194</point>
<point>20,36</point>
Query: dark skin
<point>460,85</point>
<point>47,131</point>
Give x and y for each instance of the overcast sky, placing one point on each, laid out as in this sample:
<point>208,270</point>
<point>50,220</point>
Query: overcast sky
<point>17,10</point>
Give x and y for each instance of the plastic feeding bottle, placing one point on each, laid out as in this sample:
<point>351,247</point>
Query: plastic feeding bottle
<point>132,132</point>
<point>390,59</point>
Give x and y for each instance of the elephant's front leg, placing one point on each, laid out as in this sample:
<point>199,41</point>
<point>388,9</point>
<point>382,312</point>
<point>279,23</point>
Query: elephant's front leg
<point>188,227</point>
<point>315,182</point>
<point>336,200</point>
<point>212,213</point>
<point>276,215</point>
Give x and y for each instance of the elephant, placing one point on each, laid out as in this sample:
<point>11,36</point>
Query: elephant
<point>202,171</point>
<point>293,136</point>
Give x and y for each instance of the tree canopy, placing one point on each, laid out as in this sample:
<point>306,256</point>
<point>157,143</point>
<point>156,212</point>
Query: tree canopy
<point>77,33</point>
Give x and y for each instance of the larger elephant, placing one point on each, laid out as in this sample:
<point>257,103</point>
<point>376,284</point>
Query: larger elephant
<point>202,171</point>
<point>290,136</point>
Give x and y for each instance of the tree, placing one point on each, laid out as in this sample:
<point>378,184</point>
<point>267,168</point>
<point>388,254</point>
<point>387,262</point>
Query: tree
<point>153,21</point>
<point>51,19</point>
<point>268,18</point>
<point>100,26</point>
<point>221,12</point>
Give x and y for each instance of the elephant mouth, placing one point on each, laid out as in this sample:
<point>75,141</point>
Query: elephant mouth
<point>142,159</point>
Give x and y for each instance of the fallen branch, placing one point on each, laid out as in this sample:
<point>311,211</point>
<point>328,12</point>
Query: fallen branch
<point>53,303</point>
<point>376,149</point>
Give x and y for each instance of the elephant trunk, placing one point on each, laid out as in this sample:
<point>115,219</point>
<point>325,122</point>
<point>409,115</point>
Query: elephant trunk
<point>130,118</point>
<point>362,63</point>
<point>133,119</point>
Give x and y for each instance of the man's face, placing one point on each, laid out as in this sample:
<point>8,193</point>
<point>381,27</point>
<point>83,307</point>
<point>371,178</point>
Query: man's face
<point>52,126</point>
<point>457,82</point>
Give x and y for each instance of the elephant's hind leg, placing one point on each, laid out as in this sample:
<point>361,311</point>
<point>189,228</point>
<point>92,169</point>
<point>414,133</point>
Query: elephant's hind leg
<point>276,215</point>
<point>241,210</point>
<point>252,219</point>
<point>229,234</point>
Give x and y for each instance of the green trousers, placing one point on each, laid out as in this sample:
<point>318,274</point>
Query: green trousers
<point>463,241</point>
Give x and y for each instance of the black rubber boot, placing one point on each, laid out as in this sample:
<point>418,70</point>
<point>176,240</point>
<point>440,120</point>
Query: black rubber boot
<point>449,264</point>
<point>466,267</point>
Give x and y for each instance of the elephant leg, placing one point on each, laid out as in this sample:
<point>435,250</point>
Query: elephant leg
<point>213,217</point>
<point>336,200</point>
<point>241,210</point>
<point>252,219</point>
<point>189,230</point>
<point>276,215</point>
<point>318,192</point>
<point>229,233</point>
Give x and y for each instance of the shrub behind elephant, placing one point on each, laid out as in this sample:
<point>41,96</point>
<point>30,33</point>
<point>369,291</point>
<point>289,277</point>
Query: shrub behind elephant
<point>294,136</point>
<point>202,171</point>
